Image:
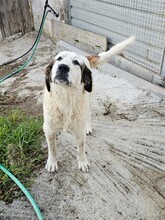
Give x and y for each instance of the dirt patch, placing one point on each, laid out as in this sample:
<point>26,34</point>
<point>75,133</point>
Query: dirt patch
<point>10,101</point>
<point>7,69</point>
<point>135,111</point>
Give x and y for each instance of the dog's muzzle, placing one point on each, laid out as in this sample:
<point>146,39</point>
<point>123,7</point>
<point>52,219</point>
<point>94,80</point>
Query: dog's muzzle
<point>62,74</point>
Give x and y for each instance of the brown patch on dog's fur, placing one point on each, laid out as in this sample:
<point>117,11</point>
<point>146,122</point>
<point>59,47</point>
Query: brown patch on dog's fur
<point>93,60</point>
<point>48,75</point>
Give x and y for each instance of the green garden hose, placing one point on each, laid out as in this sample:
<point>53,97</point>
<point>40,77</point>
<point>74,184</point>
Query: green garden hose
<point>25,191</point>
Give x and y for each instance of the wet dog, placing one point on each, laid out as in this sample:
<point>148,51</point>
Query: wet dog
<point>66,102</point>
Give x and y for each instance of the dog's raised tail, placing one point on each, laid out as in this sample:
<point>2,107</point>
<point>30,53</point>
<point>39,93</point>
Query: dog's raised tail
<point>106,56</point>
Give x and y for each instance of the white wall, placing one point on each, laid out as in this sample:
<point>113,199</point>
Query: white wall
<point>61,6</point>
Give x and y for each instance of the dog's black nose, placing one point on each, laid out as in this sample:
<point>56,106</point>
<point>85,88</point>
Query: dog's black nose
<point>63,68</point>
<point>62,74</point>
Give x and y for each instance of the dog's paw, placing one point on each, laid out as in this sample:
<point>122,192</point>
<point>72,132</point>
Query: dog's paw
<point>88,128</point>
<point>51,165</point>
<point>84,165</point>
<point>89,131</point>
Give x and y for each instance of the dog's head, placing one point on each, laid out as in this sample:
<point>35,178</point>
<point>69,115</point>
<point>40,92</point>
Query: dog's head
<point>69,69</point>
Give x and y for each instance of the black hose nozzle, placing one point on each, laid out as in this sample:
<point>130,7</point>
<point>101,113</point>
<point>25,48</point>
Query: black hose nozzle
<point>55,13</point>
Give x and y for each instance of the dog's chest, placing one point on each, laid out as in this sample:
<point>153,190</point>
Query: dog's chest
<point>65,110</point>
<point>69,113</point>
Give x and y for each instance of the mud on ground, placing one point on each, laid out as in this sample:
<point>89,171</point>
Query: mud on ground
<point>126,150</point>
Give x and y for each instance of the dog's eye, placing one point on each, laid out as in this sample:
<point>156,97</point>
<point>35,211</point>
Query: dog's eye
<point>59,58</point>
<point>75,62</point>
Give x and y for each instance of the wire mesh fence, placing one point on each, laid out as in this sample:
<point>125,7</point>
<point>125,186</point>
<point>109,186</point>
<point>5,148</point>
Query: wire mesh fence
<point>118,19</point>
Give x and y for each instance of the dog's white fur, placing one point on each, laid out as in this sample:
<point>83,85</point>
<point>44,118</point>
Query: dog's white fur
<point>66,105</point>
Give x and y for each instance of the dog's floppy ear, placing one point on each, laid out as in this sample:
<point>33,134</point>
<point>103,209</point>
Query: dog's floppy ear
<point>48,75</point>
<point>87,78</point>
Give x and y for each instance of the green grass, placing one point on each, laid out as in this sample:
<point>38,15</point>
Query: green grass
<point>20,151</point>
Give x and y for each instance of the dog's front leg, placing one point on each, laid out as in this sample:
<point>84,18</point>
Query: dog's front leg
<point>51,165</point>
<point>83,163</point>
<point>88,125</point>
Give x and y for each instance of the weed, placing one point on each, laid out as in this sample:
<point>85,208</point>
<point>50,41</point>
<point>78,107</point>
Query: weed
<point>20,151</point>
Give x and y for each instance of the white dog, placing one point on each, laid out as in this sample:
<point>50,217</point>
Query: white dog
<point>66,102</point>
